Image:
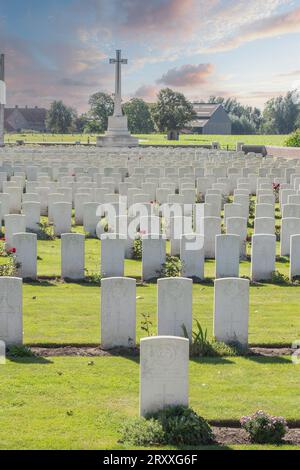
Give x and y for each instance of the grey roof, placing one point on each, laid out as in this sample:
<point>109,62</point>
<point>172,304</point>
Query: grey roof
<point>33,116</point>
<point>199,122</point>
<point>205,110</point>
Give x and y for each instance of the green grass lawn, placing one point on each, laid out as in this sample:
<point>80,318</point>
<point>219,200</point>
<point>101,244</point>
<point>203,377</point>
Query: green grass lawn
<point>69,313</point>
<point>155,139</point>
<point>65,403</point>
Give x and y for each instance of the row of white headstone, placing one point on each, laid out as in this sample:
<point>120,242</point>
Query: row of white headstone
<point>118,310</point>
<point>192,255</point>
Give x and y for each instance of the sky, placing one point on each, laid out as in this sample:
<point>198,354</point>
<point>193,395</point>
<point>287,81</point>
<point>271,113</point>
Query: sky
<point>60,49</point>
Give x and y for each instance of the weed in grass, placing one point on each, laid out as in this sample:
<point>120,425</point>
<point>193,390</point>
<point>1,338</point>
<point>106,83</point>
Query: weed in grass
<point>280,279</point>
<point>92,278</point>
<point>202,347</point>
<point>146,324</point>
<point>45,232</point>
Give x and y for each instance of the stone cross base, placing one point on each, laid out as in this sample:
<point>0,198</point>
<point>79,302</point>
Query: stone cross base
<point>117,134</point>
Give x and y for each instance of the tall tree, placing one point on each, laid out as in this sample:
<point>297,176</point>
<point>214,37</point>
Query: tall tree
<point>139,116</point>
<point>80,122</point>
<point>102,106</point>
<point>172,111</point>
<point>60,118</point>
<point>281,115</point>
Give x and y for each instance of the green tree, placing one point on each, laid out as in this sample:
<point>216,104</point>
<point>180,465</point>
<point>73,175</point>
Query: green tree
<point>92,127</point>
<point>241,125</point>
<point>81,122</point>
<point>60,118</point>
<point>281,115</point>
<point>293,139</point>
<point>139,116</point>
<point>102,106</point>
<point>172,111</point>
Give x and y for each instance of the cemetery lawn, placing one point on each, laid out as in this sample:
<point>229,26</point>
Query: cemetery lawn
<point>154,139</point>
<point>69,313</point>
<point>81,403</point>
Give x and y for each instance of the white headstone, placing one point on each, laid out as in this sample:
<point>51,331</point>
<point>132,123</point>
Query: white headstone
<point>91,217</point>
<point>174,306</point>
<point>32,211</point>
<point>72,256</point>
<point>112,255</point>
<point>263,257</point>
<point>238,226</point>
<point>231,311</point>
<point>192,256</point>
<point>11,316</point>
<point>210,228</point>
<point>118,312</point>
<point>164,373</point>
<point>264,225</point>
<point>289,227</point>
<point>153,255</point>
<point>79,200</point>
<point>227,256</point>
<point>62,218</point>
<point>295,257</point>
<point>14,223</point>
<point>26,254</point>
<point>264,210</point>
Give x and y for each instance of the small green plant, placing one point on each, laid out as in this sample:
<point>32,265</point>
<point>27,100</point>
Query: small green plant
<point>11,266</point>
<point>296,280</point>
<point>172,267</point>
<point>252,209</point>
<point>20,351</point>
<point>143,432</point>
<point>137,249</point>
<point>202,347</point>
<point>9,269</point>
<point>264,429</point>
<point>176,425</point>
<point>146,324</point>
<point>183,426</point>
<point>93,278</point>
<point>293,139</point>
<point>279,278</point>
<point>45,232</point>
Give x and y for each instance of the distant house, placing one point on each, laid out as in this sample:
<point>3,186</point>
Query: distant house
<point>31,119</point>
<point>210,119</point>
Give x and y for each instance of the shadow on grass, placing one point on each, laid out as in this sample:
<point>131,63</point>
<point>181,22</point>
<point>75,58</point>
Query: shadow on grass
<point>212,360</point>
<point>29,360</point>
<point>269,359</point>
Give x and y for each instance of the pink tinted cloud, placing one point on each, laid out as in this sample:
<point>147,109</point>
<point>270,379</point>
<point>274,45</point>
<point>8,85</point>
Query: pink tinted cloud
<point>273,26</point>
<point>156,14</point>
<point>187,75</point>
<point>147,92</point>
